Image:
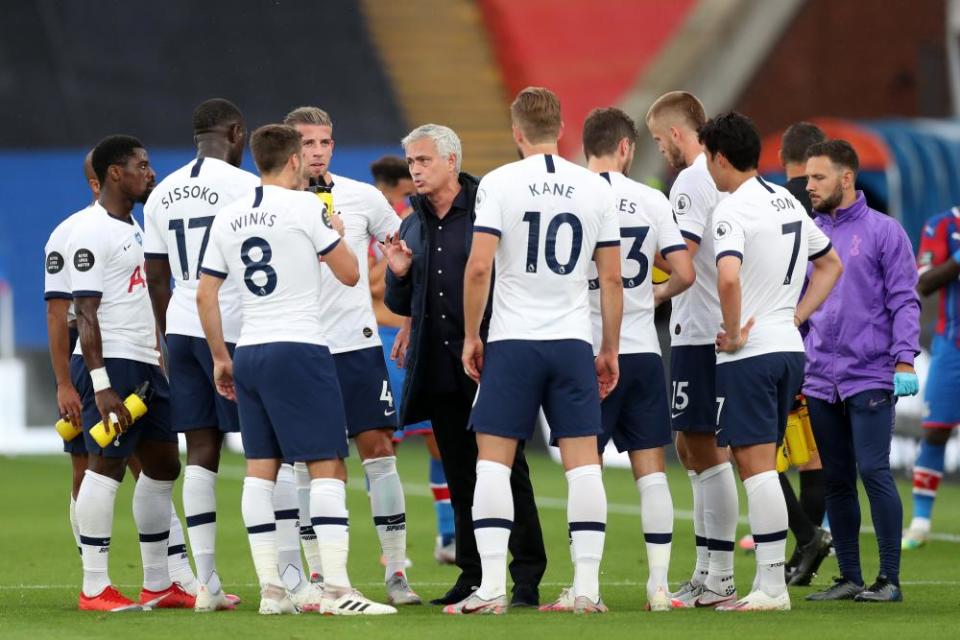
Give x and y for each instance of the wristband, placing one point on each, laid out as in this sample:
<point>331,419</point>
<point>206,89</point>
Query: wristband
<point>100,379</point>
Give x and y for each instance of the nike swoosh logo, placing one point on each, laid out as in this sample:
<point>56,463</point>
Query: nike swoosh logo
<point>674,416</point>
<point>389,413</point>
<point>152,603</point>
<point>127,246</point>
<point>395,519</point>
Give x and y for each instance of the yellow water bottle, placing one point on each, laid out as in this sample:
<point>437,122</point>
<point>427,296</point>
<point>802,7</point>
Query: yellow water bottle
<point>325,194</point>
<point>66,429</point>
<point>136,404</point>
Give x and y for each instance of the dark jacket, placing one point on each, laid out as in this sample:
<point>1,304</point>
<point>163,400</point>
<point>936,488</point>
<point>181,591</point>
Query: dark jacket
<point>407,296</point>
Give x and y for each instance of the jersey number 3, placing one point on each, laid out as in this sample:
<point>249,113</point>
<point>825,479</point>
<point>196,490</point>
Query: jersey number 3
<point>259,276</point>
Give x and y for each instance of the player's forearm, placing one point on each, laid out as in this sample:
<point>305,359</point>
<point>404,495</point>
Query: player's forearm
<point>826,272</point>
<point>88,326</point>
<point>208,306</point>
<point>938,277</point>
<point>58,336</point>
<point>611,312</point>
<point>682,274</point>
<point>476,289</point>
<point>730,300</point>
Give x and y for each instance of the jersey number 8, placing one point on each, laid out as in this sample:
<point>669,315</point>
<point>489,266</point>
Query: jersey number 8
<point>255,267</point>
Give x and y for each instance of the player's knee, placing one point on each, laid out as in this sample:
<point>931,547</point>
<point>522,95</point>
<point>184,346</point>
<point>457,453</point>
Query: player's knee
<point>112,468</point>
<point>204,451</point>
<point>375,444</point>
<point>937,437</point>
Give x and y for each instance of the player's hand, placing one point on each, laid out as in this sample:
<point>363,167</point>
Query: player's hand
<point>905,380</point>
<point>223,379</point>
<point>399,256</point>
<point>473,358</point>
<point>608,372</point>
<point>659,294</point>
<point>110,404</point>
<point>400,344</point>
<point>68,401</point>
<point>733,342</point>
<point>336,223</point>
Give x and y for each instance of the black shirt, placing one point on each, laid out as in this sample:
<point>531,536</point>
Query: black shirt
<point>443,322</point>
<point>798,188</point>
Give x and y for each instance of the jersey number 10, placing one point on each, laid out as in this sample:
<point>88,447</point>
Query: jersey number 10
<point>532,218</point>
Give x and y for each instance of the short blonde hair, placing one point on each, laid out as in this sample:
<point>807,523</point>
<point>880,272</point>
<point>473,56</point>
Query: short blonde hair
<point>680,104</point>
<point>536,112</point>
<point>308,115</point>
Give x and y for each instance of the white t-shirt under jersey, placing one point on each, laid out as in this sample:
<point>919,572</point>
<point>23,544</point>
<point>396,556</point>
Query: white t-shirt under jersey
<point>646,226</point>
<point>177,220</point>
<point>106,261</point>
<point>770,231</point>
<point>695,316</point>
<point>550,215</point>
<point>270,242</point>
<point>56,277</point>
<point>347,312</point>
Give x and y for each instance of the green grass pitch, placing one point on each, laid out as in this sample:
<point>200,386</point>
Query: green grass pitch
<point>40,571</point>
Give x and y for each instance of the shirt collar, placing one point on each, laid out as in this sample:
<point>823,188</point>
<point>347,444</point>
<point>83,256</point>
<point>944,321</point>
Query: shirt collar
<point>460,202</point>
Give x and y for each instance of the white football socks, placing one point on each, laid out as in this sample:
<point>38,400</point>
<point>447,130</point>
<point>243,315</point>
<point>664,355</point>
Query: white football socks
<point>656,514</point>
<point>152,509</point>
<point>331,523</point>
<point>702,568</point>
<point>178,560</point>
<point>587,522</point>
<point>74,526</point>
<point>200,509</point>
<point>720,513</point>
<point>286,513</point>
<point>308,539</point>
<point>256,504</point>
<point>389,511</point>
<point>95,502</point>
<point>767,512</point>
<point>492,523</point>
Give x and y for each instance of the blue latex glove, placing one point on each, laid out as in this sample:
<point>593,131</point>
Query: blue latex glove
<point>905,384</point>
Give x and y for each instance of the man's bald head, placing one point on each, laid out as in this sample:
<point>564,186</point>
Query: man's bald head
<point>91,175</point>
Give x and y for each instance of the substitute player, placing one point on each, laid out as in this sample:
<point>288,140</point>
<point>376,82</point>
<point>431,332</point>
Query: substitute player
<point>117,352</point>
<point>283,377</point>
<point>939,265</point>
<point>673,121</point>
<point>177,221</point>
<point>762,237</point>
<point>635,415</point>
<point>541,220</point>
<point>351,331</point>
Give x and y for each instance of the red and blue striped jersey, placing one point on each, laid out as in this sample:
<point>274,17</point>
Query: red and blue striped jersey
<point>939,241</point>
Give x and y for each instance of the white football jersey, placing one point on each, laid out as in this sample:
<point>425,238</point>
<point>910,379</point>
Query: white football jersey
<point>106,261</point>
<point>550,215</point>
<point>695,316</point>
<point>646,226</point>
<point>771,233</point>
<point>56,278</point>
<point>270,242</point>
<point>177,220</point>
<point>347,312</point>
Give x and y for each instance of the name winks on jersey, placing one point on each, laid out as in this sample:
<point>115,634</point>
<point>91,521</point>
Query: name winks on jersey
<point>262,219</point>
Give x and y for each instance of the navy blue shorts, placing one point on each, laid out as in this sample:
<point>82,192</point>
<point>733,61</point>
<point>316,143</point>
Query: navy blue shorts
<point>635,414</point>
<point>77,446</point>
<point>194,398</point>
<point>289,401</point>
<point>754,397</point>
<point>520,376</point>
<point>693,370</point>
<point>397,375</point>
<point>125,377</point>
<point>367,394</point>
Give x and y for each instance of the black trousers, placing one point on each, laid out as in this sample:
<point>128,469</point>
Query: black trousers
<point>450,413</point>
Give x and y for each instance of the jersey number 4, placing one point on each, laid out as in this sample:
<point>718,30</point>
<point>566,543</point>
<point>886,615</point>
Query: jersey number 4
<point>532,218</point>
